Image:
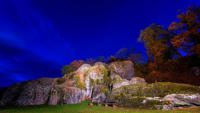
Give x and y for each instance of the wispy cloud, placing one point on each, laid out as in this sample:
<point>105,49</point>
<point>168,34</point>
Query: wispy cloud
<point>31,47</point>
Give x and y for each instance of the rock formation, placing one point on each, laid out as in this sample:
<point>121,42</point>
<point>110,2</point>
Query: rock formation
<point>34,92</point>
<point>114,82</point>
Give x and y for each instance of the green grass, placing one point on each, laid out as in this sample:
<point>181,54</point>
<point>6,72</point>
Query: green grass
<point>85,108</point>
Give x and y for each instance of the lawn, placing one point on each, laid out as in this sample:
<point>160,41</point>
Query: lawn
<point>84,108</point>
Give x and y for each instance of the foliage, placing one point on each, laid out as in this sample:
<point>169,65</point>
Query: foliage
<point>136,58</point>
<point>186,31</point>
<point>112,59</point>
<point>76,64</point>
<point>90,61</point>
<point>67,69</point>
<point>60,80</point>
<point>122,53</point>
<point>157,44</point>
<point>141,70</point>
<point>79,84</point>
<point>101,59</point>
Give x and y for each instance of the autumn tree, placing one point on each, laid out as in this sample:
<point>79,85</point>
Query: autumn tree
<point>187,31</point>
<point>76,64</point>
<point>157,43</point>
<point>136,58</point>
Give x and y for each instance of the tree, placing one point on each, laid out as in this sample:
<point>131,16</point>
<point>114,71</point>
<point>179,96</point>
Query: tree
<point>100,59</point>
<point>157,43</point>
<point>111,59</point>
<point>187,31</point>
<point>67,69</point>
<point>136,58</point>
<point>122,53</point>
<point>90,61</point>
<point>76,64</point>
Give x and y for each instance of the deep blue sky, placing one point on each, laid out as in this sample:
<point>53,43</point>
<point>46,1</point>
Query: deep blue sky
<point>38,37</point>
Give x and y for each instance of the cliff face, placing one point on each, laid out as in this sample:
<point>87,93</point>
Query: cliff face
<point>87,82</point>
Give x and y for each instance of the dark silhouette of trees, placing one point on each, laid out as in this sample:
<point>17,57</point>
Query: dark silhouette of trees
<point>90,61</point>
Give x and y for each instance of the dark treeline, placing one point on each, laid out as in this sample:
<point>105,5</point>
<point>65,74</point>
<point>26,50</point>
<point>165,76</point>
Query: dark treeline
<point>173,54</point>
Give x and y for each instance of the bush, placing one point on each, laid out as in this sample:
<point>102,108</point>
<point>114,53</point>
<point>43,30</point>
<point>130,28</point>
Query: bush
<point>60,80</point>
<point>67,69</point>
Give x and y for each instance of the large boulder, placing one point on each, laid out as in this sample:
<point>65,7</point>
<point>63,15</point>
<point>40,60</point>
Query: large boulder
<point>156,94</point>
<point>10,95</point>
<point>183,100</point>
<point>125,69</point>
<point>80,73</point>
<point>86,77</point>
<point>66,93</point>
<point>99,94</point>
<point>137,80</point>
<point>95,76</point>
<point>119,82</point>
<point>34,92</point>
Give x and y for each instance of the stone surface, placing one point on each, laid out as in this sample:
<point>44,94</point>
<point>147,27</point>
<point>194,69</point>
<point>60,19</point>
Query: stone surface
<point>34,92</point>
<point>10,94</point>
<point>136,80</point>
<point>99,63</point>
<point>120,83</point>
<point>181,100</point>
<point>99,94</point>
<point>167,107</point>
<point>89,82</point>
<point>93,77</point>
<point>81,72</point>
<point>124,69</point>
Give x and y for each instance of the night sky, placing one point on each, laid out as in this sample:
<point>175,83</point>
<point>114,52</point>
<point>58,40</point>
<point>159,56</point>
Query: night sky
<point>38,37</point>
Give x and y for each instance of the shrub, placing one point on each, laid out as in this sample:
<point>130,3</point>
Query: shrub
<point>60,80</point>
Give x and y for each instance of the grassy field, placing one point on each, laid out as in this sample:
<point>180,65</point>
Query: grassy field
<point>84,108</point>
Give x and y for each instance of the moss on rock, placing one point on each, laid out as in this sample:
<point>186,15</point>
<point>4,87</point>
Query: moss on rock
<point>159,89</point>
<point>137,95</point>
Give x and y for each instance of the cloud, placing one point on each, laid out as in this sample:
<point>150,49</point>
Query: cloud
<point>19,64</point>
<point>30,46</point>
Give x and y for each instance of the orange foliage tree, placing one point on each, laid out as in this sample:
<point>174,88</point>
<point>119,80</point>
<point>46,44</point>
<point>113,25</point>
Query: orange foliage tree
<point>157,44</point>
<point>76,64</point>
<point>187,31</point>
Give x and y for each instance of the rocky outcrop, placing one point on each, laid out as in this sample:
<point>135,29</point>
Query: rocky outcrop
<point>119,82</point>
<point>183,100</point>
<point>99,94</point>
<point>10,95</point>
<point>34,92</point>
<point>86,82</point>
<point>137,80</point>
<point>66,93</point>
<point>158,95</point>
<point>124,69</point>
